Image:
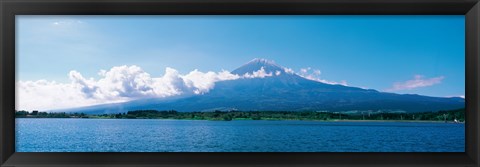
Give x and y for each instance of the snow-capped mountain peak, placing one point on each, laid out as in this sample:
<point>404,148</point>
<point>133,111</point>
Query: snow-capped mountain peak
<point>257,64</point>
<point>262,60</point>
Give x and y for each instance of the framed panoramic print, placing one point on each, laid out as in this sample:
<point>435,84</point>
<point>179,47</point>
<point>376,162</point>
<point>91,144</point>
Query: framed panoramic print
<point>240,83</point>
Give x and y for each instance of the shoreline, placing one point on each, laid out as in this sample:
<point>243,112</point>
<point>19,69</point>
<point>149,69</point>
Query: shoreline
<point>416,121</point>
<point>333,120</point>
<point>447,116</point>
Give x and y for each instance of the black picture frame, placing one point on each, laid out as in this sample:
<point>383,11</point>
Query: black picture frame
<point>10,8</point>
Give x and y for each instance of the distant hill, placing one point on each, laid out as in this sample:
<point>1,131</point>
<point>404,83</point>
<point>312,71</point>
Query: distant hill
<point>281,90</point>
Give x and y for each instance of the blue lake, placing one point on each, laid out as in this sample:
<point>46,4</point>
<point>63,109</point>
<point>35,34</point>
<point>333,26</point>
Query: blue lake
<point>153,135</point>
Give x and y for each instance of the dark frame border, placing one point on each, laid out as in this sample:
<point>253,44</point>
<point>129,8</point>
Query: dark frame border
<point>10,8</point>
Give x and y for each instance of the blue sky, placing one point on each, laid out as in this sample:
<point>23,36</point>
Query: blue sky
<point>376,52</point>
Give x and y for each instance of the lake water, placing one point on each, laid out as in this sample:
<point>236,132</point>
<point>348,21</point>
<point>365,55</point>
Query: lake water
<point>152,135</point>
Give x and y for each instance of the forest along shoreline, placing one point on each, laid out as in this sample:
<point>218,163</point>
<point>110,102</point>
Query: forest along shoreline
<point>449,116</point>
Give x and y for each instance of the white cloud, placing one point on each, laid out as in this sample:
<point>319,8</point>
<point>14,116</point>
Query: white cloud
<point>460,96</point>
<point>314,75</point>
<point>67,22</point>
<point>102,73</point>
<point>258,74</point>
<point>418,82</point>
<point>342,82</point>
<point>288,70</point>
<point>42,94</point>
<point>203,82</point>
<point>305,70</point>
<point>119,84</point>
<point>126,82</point>
<point>87,87</point>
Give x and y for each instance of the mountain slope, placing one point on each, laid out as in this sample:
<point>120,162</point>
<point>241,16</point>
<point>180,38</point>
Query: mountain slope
<point>279,90</point>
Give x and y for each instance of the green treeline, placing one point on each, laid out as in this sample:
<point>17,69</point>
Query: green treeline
<point>36,114</point>
<point>449,115</point>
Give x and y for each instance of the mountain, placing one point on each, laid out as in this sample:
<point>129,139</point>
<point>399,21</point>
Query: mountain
<point>280,90</point>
